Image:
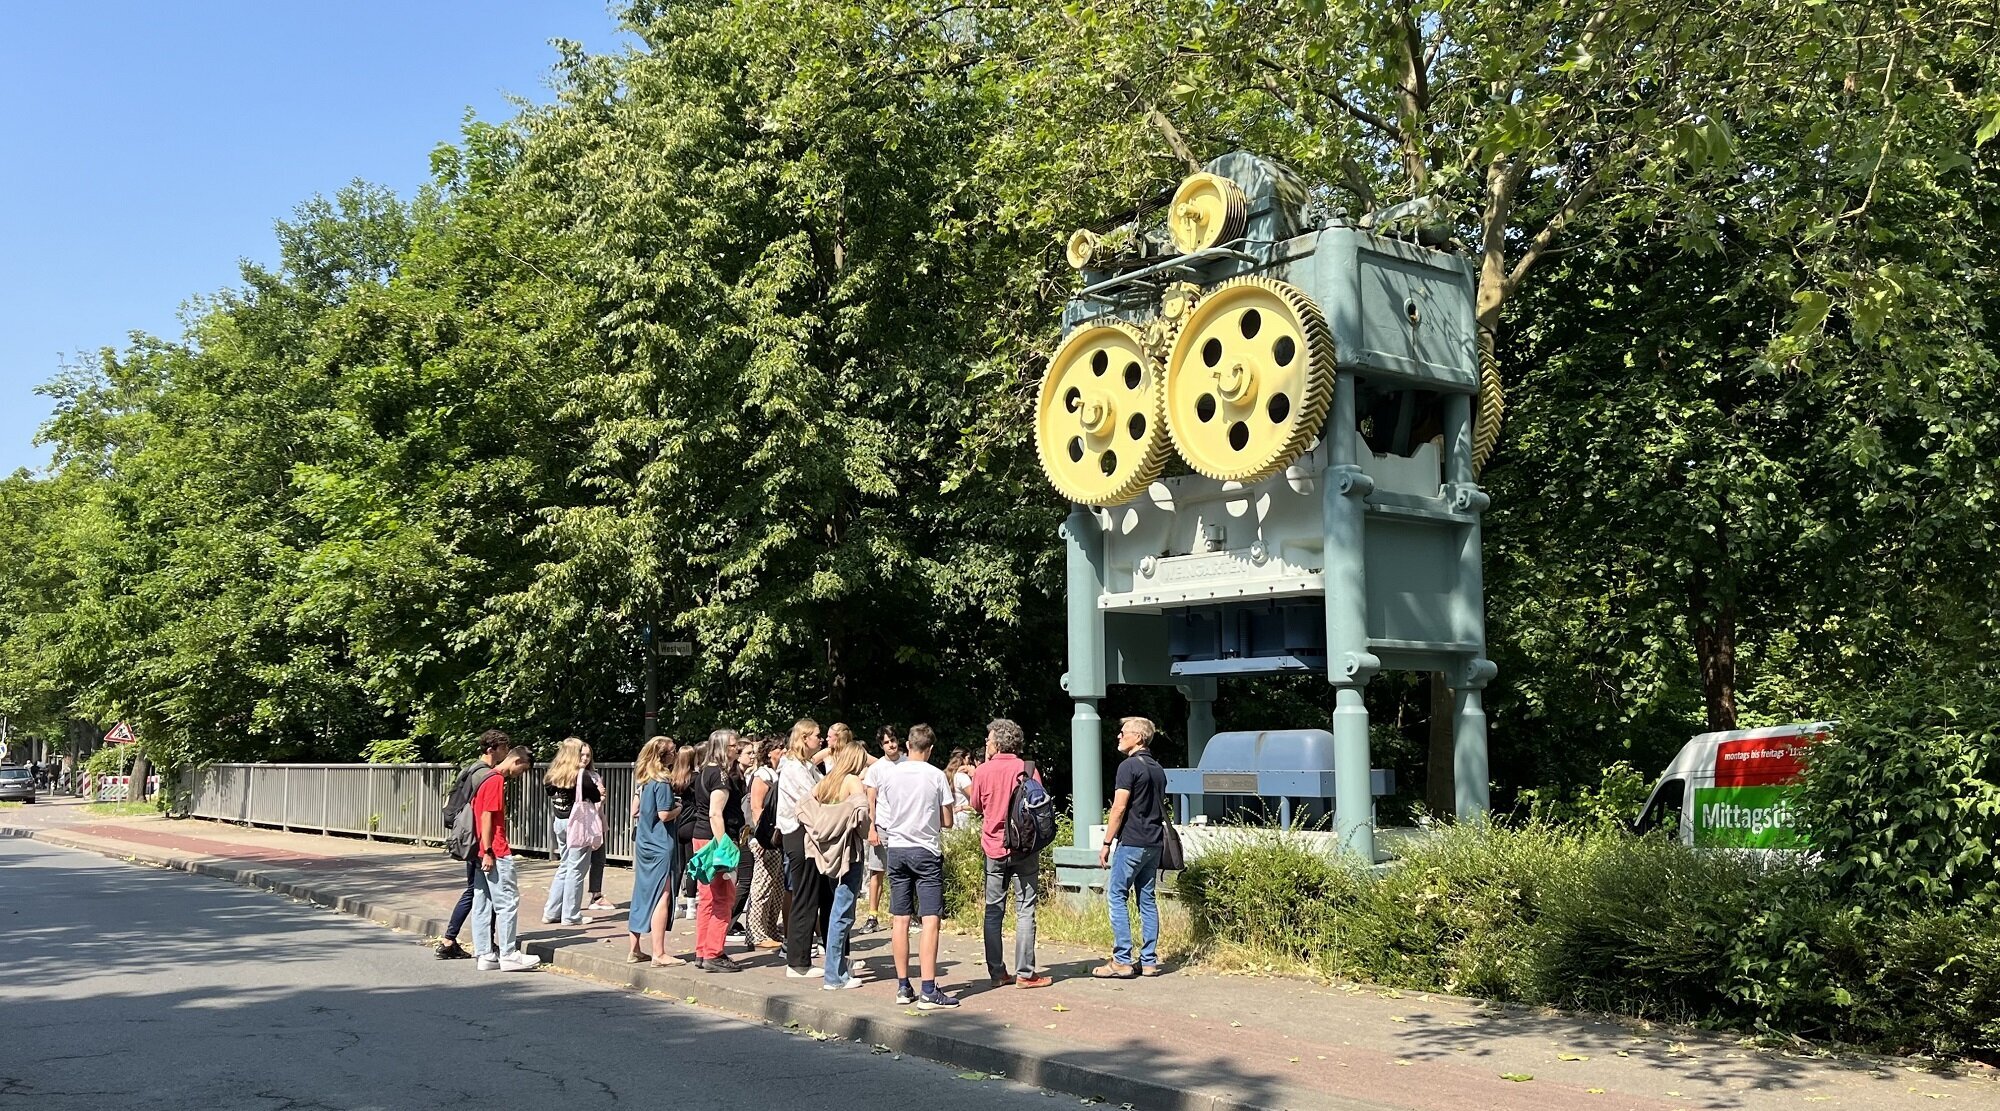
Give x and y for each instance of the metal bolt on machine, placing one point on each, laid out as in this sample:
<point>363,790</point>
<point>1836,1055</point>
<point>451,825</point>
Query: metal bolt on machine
<point>1317,380</point>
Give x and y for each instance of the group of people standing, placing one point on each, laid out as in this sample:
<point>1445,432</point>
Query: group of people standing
<point>779,837</point>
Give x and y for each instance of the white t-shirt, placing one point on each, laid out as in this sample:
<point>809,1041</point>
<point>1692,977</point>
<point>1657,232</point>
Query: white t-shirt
<point>909,799</point>
<point>872,776</point>
<point>795,781</point>
<point>961,792</point>
<point>768,775</point>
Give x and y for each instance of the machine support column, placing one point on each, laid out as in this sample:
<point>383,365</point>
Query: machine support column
<point>1085,680</point>
<point>1468,616</point>
<point>1354,802</point>
<point>1200,727</point>
<point>1349,663</point>
<point>1469,774</point>
<point>1086,770</point>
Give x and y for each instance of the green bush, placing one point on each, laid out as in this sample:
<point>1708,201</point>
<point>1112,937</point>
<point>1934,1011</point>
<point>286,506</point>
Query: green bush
<point>1903,804</point>
<point>1591,917</point>
<point>1272,894</point>
<point>1643,926</point>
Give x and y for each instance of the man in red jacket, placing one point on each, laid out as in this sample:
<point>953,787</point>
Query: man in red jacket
<point>992,796</point>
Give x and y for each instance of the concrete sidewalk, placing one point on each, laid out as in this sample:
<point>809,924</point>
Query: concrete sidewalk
<point>1185,1040</point>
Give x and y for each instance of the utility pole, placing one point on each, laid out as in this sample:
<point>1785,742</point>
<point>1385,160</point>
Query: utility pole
<point>649,725</point>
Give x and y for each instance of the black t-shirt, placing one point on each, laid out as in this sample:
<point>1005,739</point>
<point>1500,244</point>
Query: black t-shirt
<point>706,782</point>
<point>563,799</point>
<point>1145,811</point>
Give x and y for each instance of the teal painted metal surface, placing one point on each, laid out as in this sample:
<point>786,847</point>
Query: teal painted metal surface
<point>1377,523</point>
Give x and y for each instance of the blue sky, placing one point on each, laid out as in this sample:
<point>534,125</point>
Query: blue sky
<point>146,147</point>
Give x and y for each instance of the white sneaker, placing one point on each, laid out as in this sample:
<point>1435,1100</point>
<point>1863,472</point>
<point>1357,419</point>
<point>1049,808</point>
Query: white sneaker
<point>488,962</point>
<point>794,974</point>
<point>520,962</point>
<point>852,981</point>
<point>736,939</point>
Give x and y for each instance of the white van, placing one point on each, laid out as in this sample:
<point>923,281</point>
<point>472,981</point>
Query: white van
<point>1735,790</point>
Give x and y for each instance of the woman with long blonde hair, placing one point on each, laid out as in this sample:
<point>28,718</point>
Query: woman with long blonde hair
<point>839,735</point>
<point>567,785</point>
<point>805,917</point>
<point>837,821</point>
<point>653,848</point>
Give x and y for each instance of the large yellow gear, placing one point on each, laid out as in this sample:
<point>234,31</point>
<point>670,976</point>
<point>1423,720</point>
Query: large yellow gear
<point>1250,379</point>
<point>1207,210</point>
<point>1097,422</point>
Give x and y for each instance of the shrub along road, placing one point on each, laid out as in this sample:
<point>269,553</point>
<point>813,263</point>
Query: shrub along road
<point>1186,1040</point>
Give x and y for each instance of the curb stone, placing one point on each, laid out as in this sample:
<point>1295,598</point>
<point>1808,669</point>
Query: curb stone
<point>944,1038</point>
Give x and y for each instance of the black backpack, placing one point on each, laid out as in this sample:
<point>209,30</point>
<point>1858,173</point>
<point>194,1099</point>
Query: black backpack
<point>766,833</point>
<point>1031,815</point>
<point>461,831</point>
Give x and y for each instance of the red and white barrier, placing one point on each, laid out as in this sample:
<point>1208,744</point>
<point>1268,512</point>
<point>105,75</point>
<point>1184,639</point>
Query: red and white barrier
<point>116,788</point>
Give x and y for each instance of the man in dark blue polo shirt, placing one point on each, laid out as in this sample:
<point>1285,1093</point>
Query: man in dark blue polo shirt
<point>1137,826</point>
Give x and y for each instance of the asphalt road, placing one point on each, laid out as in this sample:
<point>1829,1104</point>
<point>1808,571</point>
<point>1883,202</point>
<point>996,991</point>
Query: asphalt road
<point>125,987</point>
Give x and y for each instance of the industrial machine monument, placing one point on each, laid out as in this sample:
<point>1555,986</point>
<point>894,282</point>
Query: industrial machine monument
<point>1317,380</point>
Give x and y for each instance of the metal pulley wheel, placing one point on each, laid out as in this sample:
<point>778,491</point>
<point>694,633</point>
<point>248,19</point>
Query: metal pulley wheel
<point>1082,248</point>
<point>1097,421</point>
<point>1208,209</point>
<point>1250,379</point>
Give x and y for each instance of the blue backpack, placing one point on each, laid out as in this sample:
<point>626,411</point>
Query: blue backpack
<point>1031,815</point>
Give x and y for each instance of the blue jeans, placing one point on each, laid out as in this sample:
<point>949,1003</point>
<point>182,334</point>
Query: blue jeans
<point>1134,867</point>
<point>1024,874</point>
<point>846,894</point>
<point>463,910</point>
<point>566,889</point>
<point>496,909</point>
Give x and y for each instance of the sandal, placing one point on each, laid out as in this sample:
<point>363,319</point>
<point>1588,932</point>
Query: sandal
<point>666,962</point>
<point>1112,970</point>
<point>1150,970</point>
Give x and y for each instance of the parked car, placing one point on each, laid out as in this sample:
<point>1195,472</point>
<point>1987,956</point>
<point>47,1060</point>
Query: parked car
<point>1736,789</point>
<point>16,785</point>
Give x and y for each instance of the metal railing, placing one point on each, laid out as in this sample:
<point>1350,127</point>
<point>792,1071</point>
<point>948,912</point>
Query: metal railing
<point>390,802</point>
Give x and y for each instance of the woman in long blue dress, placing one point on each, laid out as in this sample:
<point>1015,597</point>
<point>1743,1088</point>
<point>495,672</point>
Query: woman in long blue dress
<point>653,849</point>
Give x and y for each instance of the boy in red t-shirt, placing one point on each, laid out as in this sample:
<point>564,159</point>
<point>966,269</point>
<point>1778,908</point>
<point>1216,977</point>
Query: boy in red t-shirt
<point>496,886</point>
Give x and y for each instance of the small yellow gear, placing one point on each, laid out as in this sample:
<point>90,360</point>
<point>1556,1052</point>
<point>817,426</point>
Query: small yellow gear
<point>1098,419</point>
<point>1250,379</point>
<point>1179,300</point>
<point>1207,209</point>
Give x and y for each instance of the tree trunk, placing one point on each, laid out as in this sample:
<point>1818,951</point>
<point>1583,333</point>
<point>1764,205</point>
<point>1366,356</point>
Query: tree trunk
<point>836,669</point>
<point>140,769</point>
<point>1714,624</point>
<point>1440,787</point>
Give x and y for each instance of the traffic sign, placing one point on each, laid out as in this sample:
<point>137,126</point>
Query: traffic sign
<point>121,734</point>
